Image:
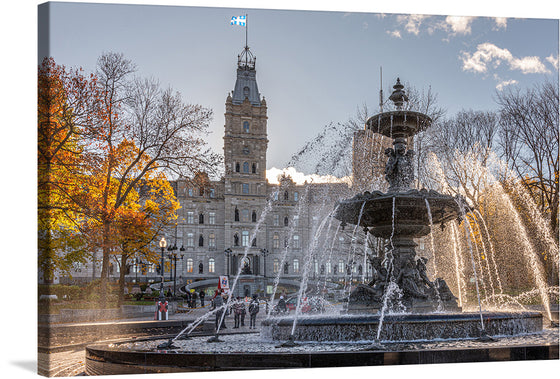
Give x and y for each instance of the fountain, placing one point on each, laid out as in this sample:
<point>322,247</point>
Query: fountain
<point>401,316</point>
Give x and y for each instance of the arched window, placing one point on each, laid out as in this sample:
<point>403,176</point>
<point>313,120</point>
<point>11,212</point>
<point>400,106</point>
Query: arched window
<point>245,238</point>
<point>200,240</point>
<point>254,169</point>
<point>246,167</point>
<point>276,265</point>
<point>286,195</point>
<point>236,239</point>
<point>286,221</point>
<point>201,218</point>
<point>246,126</point>
<point>275,241</point>
<point>189,265</point>
<point>237,167</point>
<point>254,216</point>
<point>296,242</point>
<point>211,265</point>
<point>341,266</point>
<point>328,267</point>
<point>296,196</point>
<point>236,214</point>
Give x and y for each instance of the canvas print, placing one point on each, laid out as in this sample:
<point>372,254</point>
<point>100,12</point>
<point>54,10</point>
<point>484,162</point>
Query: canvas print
<point>374,189</point>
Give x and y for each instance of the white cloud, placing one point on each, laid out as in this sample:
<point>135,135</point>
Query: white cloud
<point>500,86</point>
<point>488,53</point>
<point>553,60</point>
<point>274,173</point>
<point>394,33</point>
<point>501,22</point>
<point>459,24</point>
<point>412,22</point>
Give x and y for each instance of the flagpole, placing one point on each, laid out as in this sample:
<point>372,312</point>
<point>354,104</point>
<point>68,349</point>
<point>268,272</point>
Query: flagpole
<point>246,35</point>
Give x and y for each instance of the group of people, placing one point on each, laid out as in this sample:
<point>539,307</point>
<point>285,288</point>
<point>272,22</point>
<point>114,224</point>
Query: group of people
<point>191,298</point>
<point>237,307</point>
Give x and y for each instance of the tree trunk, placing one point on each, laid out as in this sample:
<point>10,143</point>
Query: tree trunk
<point>120,298</point>
<point>104,277</point>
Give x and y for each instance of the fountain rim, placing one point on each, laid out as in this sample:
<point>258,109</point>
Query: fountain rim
<point>383,119</point>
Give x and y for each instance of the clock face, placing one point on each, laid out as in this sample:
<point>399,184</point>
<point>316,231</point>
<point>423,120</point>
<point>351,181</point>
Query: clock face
<point>246,150</point>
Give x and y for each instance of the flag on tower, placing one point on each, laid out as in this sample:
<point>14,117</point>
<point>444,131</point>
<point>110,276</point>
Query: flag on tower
<point>239,20</point>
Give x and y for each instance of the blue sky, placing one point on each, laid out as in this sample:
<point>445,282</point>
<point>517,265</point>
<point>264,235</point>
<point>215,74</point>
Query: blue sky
<point>313,67</point>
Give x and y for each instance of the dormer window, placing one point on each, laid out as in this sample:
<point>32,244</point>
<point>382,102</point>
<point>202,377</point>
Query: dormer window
<point>246,126</point>
<point>246,91</point>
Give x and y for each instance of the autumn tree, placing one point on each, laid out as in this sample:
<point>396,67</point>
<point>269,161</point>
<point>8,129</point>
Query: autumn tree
<point>66,107</point>
<point>165,133</point>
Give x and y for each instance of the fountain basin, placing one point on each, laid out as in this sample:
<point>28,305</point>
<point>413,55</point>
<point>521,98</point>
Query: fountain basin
<point>404,327</point>
<point>398,123</point>
<point>411,213</point>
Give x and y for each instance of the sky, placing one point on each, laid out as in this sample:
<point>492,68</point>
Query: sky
<point>312,70</point>
<point>313,67</point>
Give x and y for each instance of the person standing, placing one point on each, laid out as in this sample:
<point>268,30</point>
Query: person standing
<point>217,304</point>
<point>253,311</point>
<point>237,309</point>
<point>243,311</point>
<point>201,295</point>
<point>282,307</point>
<point>188,298</point>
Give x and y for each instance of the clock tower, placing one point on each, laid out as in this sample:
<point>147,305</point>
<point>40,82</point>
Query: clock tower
<point>245,145</point>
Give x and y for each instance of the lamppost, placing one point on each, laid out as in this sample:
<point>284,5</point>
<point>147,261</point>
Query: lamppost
<point>227,252</point>
<point>264,253</point>
<point>162,245</point>
<point>173,258</point>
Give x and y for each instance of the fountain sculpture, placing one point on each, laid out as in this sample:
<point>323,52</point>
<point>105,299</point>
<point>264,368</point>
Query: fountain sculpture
<point>399,216</point>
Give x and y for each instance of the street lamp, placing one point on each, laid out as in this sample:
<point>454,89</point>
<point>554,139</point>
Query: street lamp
<point>162,245</point>
<point>228,253</point>
<point>173,258</point>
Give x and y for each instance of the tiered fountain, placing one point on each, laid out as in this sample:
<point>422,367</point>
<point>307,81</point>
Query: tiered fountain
<point>402,303</point>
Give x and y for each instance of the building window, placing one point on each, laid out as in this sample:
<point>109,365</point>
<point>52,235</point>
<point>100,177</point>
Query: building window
<point>190,217</point>
<point>212,241</point>
<point>296,242</point>
<point>315,266</point>
<point>360,270</point>
<point>236,214</point>
<point>276,219</point>
<point>246,126</point>
<point>151,268</point>
<point>296,196</point>
<point>322,269</point>
<point>245,215</point>
<point>201,218</point>
<point>286,221</point>
<point>245,238</point>
<point>190,265</point>
<point>275,241</point>
<point>246,167</point>
<point>245,188</point>
<point>328,267</point>
<point>254,216</point>
<point>275,195</point>
<point>212,192</point>
<point>340,242</point>
<point>211,265</point>
<point>296,266</point>
<point>212,218</point>
<point>190,240</point>
<point>200,240</point>
<point>254,168</point>
<point>286,268</point>
<point>190,192</point>
<point>236,239</point>
<point>296,220</point>
<point>286,195</point>
<point>276,265</point>
<point>237,167</point>
<point>341,266</point>
<point>286,241</point>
